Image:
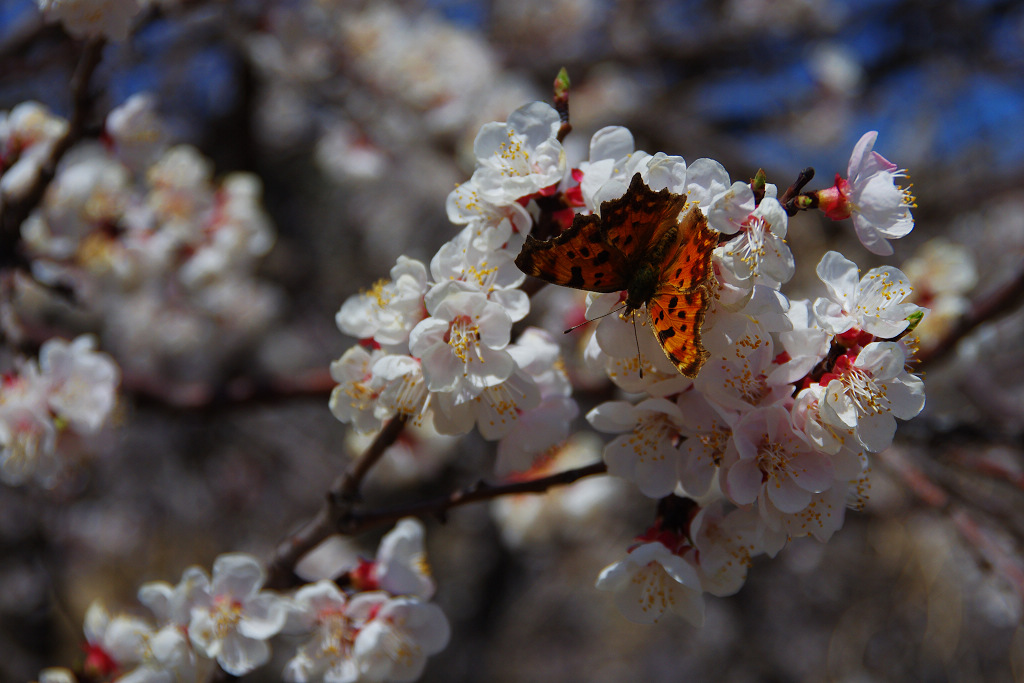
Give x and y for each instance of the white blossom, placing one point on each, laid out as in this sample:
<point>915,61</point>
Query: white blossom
<point>232,618</point>
<point>462,345</point>
<point>56,674</point>
<point>354,400</point>
<point>28,134</point>
<point>770,462</point>
<point>758,254</point>
<point>397,636</point>
<point>546,424</point>
<point>495,411</point>
<point>706,179</point>
<point>873,303</point>
<point>401,386</point>
<point>647,452</point>
<point>327,654</point>
<point>726,544</point>
<point>90,191</point>
<point>458,265</point>
<point>735,376</point>
<point>401,564</point>
<point>650,580</point>
<point>136,130</point>
<point>707,434</point>
<point>181,196</point>
<point>236,232</point>
<point>114,643</point>
<point>519,157</point>
<point>389,311</point>
<point>489,227</point>
<point>166,656</point>
<point>173,604</point>
<point>804,345</point>
<point>880,208</point>
<point>28,437</point>
<point>82,382</point>
<point>867,394</point>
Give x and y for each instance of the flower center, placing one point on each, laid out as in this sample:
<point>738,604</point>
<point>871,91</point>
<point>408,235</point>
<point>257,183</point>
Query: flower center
<point>716,442</point>
<point>381,293</point>
<point>652,432</point>
<point>226,614</point>
<point>336,635</point>
<point>867,395</point>
<point>483,276</point>
<point>464,338</point>
<point>514,159</point>
<point>772,458</point>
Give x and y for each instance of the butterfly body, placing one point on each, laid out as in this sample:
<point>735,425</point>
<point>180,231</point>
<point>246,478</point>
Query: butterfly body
<point>639,245</point>
<point>641,288</point>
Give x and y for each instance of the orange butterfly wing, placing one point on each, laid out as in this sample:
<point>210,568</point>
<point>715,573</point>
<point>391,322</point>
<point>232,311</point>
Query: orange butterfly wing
<point>579,257</point>
<point>684,294</point>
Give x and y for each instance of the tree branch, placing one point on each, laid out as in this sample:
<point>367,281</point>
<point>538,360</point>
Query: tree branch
<point>1003,300</point>
<point>346,489</point>
<point>339,500</point>
<point>357,522</point>
<point>340,517</point>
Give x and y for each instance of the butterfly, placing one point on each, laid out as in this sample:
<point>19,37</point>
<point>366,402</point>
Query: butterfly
<point>639,245</point>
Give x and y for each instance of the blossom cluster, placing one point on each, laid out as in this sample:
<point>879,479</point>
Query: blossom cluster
<point>71,388</point>
<point>436,342</point>
<point>773,435</point>
<point>770,441</point>
<point>374,622</point>
<point>149,242</point>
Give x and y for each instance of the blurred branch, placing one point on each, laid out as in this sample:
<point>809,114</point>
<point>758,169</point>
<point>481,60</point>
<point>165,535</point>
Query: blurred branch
<point>236,393</point>
<point>960,509</point>
<point>1003,300</point>
<point>988,467</point>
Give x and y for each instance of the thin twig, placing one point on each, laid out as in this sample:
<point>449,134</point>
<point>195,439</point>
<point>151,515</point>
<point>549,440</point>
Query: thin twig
<point>346,489</point>
<point>357,522</point>
<point>339,500</point>
<point>344,519</point>
<point>793,190</point>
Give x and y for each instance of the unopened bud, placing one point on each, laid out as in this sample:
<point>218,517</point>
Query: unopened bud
<point>562,84</point>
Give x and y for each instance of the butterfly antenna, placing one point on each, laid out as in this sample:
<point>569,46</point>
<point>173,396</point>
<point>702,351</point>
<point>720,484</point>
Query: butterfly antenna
<point>636,337</point>
<point>576,327</point>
